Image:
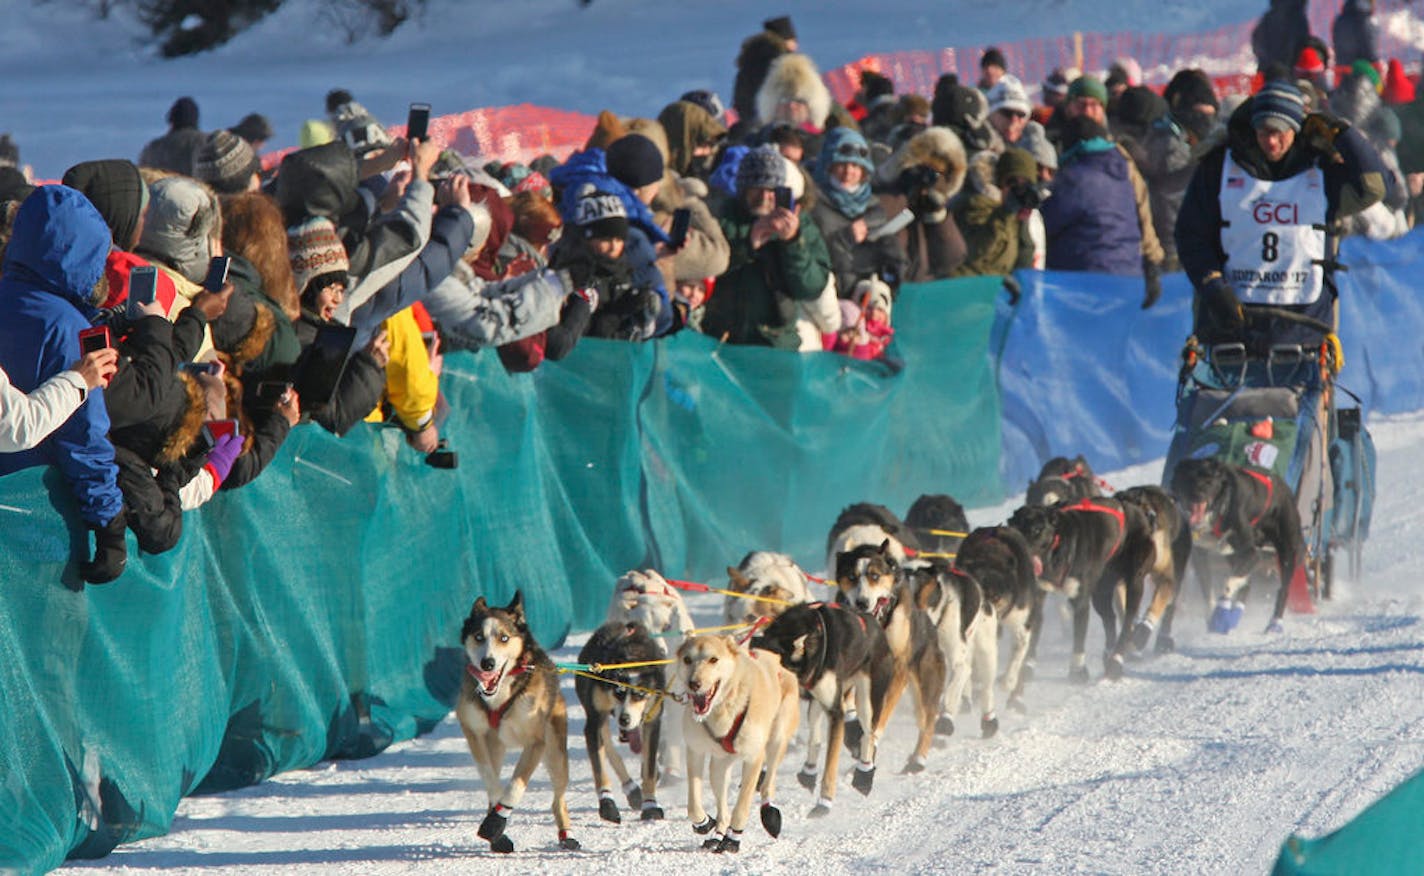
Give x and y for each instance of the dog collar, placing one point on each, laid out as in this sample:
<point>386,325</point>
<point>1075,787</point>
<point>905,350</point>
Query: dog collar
<point>729,742</point>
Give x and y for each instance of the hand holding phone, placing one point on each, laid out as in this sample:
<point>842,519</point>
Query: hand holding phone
<point>784,198</point>
<point>143,289</point>
<point>217,273</point>
<point>681,221</point>
<point>417,124</point>
<point>220,429</point>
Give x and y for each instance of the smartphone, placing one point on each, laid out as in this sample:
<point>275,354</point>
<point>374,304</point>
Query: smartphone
<point>269,392</point>
<point>91,339</point>
<point>784,200</point>
<point>217,273</point>
<point>417,125</point>
<point>681,220</point>
<point>199,367</point>
<point>219,428</point>
<point>143,289</point>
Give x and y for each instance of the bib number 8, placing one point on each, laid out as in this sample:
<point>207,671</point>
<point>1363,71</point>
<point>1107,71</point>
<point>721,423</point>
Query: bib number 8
<point>1270,242</point>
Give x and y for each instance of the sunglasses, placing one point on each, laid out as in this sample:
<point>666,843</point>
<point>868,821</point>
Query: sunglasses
<point>852,150</point>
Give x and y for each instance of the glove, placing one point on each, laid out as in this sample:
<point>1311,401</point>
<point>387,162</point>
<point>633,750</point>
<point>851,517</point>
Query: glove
<point>1152,282</point>
<point>930,206</point>
<point>589,294</point>
<point>1319,131</point>
<point>1011,286</point>
<point>1220,303</point>
<point>225,452</point>
<point>111,552</point>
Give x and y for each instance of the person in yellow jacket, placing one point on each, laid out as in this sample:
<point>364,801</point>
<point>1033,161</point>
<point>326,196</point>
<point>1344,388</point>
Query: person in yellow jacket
<point>412,385</point>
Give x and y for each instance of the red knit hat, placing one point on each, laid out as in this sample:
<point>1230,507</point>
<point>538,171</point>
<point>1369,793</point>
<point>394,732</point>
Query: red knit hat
<point>1398,88</point>
<point>1309,63</point>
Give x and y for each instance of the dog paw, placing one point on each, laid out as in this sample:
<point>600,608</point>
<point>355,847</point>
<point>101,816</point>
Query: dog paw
<point>807,779</point>
<point>1112,667</point>
<point>988,727</point>
<point>1079,675</point>
<point>820,810</point>
<point>634,794</point>
<point>863,779</point>
<point>944,726</point>
<point>771,820</point>
<point>608,810</point>
<point>502,845</point>
<point>569,844</point>
<point>1166,644</point>
<point>492,828</point>
<point>705,825</point>
<point>853,734</point>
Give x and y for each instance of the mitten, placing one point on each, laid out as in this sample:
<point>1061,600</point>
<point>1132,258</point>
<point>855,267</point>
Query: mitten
<point>1152,283</point>
<point>1220,303</point>
<point>225,452</point>
<point>111,553</point>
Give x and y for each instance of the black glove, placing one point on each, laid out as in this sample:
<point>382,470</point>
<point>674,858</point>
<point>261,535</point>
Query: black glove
<point>1152,283</point>
<point>1026,195</point>
<point>1220,304</point>
<point>1011,286</point>
<point>111,553</point>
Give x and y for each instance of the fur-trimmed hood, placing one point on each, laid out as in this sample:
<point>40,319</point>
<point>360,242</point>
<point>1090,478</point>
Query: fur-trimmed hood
<point>794,76</point>
<point>941,149</point>
<point>185,430</point>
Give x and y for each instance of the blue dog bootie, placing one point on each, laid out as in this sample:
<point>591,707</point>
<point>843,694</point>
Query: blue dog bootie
<point>1220,617</point>
<point>1233,616</point>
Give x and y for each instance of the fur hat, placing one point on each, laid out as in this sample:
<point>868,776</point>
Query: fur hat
<point>1278,104</point>
<point>761,168</point>
<point>181,221</point>
<point>358,128</point>
<point>794,77</point>
<point>874,292</point>
<point>226,162</point>
<point>183,113</point>
<point>606,130</point>
<point>635,161</point>
<point>600,214</point>
<point>960,107</point>
<point>316,251</point>
<point>1088,86</point>
<point>781,26</point>
<point>992,56</point>
<point>254,128</point>
<point>1009,94</point>
<point>941,150</point>
<point>116,188</point>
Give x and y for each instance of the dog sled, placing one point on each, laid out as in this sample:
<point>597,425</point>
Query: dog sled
<point>1282,410</point>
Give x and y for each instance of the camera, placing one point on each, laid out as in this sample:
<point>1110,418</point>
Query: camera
<point>442,456</point>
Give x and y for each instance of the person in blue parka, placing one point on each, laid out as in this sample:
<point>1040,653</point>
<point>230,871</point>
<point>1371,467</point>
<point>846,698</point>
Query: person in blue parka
<point>50,282</point>
<point>1091,218</point>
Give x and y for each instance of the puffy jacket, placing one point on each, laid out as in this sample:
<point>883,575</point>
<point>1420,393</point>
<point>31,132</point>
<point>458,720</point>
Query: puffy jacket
<point>55,257</point>
<point>1354,33</point>
<point>1091,218</point>
<point>25,420</point>
<point>1280,33</point>
<point>411,386</point>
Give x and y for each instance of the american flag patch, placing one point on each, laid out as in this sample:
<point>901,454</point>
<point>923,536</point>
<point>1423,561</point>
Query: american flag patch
<point>1235,182</point>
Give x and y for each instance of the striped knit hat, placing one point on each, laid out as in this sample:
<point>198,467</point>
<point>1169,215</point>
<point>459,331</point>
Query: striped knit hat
<point>226,162</point>
<point>1279,105</point>
<point>316,251</point>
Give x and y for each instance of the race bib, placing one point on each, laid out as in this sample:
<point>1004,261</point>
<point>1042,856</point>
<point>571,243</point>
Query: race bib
<point>1274,236</point>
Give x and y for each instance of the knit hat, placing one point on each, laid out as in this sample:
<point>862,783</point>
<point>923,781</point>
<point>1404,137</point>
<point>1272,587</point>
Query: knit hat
<point>180,224</point>
<point>762,168</point>
<point>9,152</point>
<point>537,183</point>
<point>1309,63</point>
<point>1384,126</point>
<point>1189,88</point>
<point>600,214</point>
<point>993,56</point>
<point>708,100</point>
<point>1398,89</point>
<point>1364,68</point>
<point>635,161</point>
<point>183,113</point>
<point>844,145</point>
<point>1137,107</point>
<point>226,162</point>
<point>1278,104</point>
<point>254,128</point>
<point>795,179</point>
<point>1042,151</point>
<point>1125,71</point>
<point>1015,162</point>
<point>1088,86</point>
<point>1008,94</point>
<point>1056,83</point>
<point>959,107</point>
<point>875,292</point>
<point>316,251</point>
<point>358,128</point>
<point>116,189</point>
<point>781,26</point>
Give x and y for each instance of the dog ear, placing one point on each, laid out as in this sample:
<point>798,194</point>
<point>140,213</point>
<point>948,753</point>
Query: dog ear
<point>738,581</point>
<point>885,547</point>
<point>516,606</point>
<point>480,605</point>
<point>798,647</point>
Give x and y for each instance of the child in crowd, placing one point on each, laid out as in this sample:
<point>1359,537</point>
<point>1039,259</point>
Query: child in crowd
<point>866,319</point>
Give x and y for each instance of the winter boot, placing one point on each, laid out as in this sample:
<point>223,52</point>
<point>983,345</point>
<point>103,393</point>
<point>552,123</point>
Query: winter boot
<point>111,552</point>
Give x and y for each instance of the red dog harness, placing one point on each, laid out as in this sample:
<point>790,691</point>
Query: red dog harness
<point>1270,485</point>
<point>729,742</point>
<point>494,716</point>
<point>1116,513</point>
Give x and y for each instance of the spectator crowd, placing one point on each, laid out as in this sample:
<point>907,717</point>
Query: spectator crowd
<point>789,220</point>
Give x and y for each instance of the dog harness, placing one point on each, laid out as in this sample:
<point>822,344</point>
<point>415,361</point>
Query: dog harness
<point>729,742</point>
<point>1116,513</point>
<point>1264,480</point>
<point>494,716</point>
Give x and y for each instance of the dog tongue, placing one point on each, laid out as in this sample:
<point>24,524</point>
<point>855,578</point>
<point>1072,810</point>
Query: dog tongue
<point>634,738</point>
<point>1198,512</point>
<point>1037,567</point>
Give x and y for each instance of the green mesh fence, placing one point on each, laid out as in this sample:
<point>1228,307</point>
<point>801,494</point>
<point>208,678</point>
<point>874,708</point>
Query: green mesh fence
<point>315,612</point>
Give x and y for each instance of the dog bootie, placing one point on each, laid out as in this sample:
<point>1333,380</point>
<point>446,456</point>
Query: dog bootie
<point>652,811</point>
<point>1220,622</point>
<point>1166,644</point>
<point>853,734</point>
<point>608,808</point>
<point>863,779</point>
<point>1234,615</point>
<point>633,793</point>
<point>821,809</point>
<point>944,726</point>
<point>492,828</point>
<point>1141,635</point>
<point>730,843</point>
<point>568,843</point>
<point>806,778</point>
<point>1112,667</point>
<point>705,825</point>
<point>1079,675</point>
<point>988,726</point>
<point>1275,626</point>
<point>771,820</point>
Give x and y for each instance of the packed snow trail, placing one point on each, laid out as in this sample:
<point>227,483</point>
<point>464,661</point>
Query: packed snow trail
<point>1201,761</point>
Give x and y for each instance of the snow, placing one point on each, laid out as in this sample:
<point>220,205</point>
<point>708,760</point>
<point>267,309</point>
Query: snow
<point>1198,762</point>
